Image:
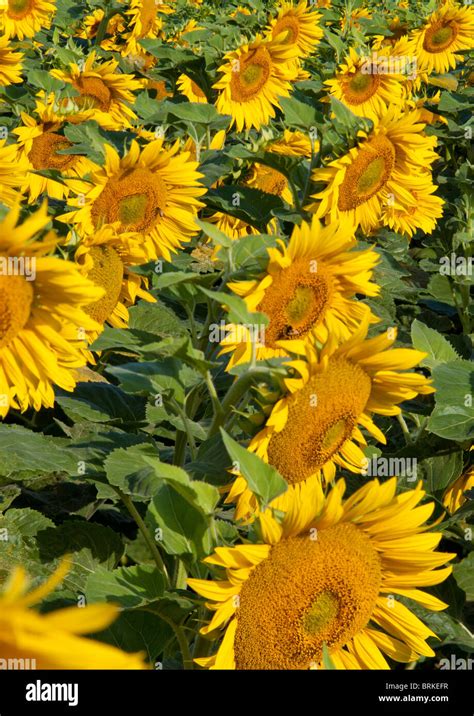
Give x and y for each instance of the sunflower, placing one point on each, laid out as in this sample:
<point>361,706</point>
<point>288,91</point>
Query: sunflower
<point>55,640</point>
<point>158,89</point>
<point>42,301</point>
<point>450,29</point>
<point>335,395</point>
<point>12,173</point>
<point>190,89</point>
<point>24,18</point>
<point>330,573</point>
<point>145,21</point>
<point>253,78</point>
<point>232,226</point>
<point>38,146</point>
<point>115,25</point>
<point>374,174</point>
<point>307,291</point>
<point>351,19</point>
<point>10,63</point>
<point>104,94</point>
<point>363,86</point>
<point>297,25</point>
<point>293,144</point>
<point>454,497</point>
<point>105,258</point>
<point>422,212</point>
<point>151,192</point>
<point>269,180</point>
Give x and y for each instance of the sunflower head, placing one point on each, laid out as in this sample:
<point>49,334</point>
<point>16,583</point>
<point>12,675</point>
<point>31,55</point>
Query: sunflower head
<point>307,291</point>
<point>337,392</point>
<point>448,31</point>
<point>297,25</point>
<point>329,573</point>
<point>24,18</point>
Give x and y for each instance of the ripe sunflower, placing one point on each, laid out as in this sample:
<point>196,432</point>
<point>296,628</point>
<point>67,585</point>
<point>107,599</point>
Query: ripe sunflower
<point>55,640</point>
<point>448,30</point>
<point>362,86</point>
<point>308,292</point>
<point>42,315</point>
<point>12,173</point>
<point>151,192</point>
<point>10,63</point>
<point>104,94</point>
<point>297,25</point>
<point>190,89</point>
<point>253,78</point>
<point>105,258</point>
<point>335,395</point>
<point>38,145</point>
<point>376,173</point>
<point>24,18</point>
<point>330,573</point>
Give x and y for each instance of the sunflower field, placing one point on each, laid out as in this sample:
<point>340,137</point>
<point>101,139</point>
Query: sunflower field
<point>236,382</point>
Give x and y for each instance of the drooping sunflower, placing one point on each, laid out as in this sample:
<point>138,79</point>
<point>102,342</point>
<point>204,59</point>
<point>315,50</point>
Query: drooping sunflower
<point>145,21</point>
<point>24,18</point>
<point>42,301</point>
<point>331,573</point>
<point>422,212</point>
<point>297,25</point>
<point>362,86</point>
<point>448,30</point>
<point>12,173</point>
<point>10,63</point>
<point>152,192</point>
<point>104,93</point>
<point>106,258</point>
<point>38,145</point>
<point>454,497</point>
<point>308,292</point>
<point>372,175</point>
<point>56,640</point>
<point>334,395</point>
<point>253,78</point>
<point>187,87</point>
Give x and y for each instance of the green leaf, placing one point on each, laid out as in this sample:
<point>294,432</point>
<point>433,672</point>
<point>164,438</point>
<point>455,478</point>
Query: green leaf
<point>464,576</point>
<point>25,452</point>
<point>87,139</point>
<point>91,545</point>
<point>155,377</point>
<point>441,470</point>
<point>129,470</point>
<point>453,416</point>
<point>299,114</point>
<point>254,206</point>
<point>430,341</point>
<point>184,529</point>
<point>237,308</point>
<point>139,630</point>
<point>263,479</point>
<point>101,403</point>
<point>130,587</point>
<point>182,508</point>
<point>18,546</point>
<point>216,235</point>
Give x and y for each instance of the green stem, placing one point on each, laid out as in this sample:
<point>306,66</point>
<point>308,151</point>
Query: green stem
<point>104,23</point>
<point>144,530</point>
<point>405,430</point>
<point>236,391</point>
<point>180,637</point>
